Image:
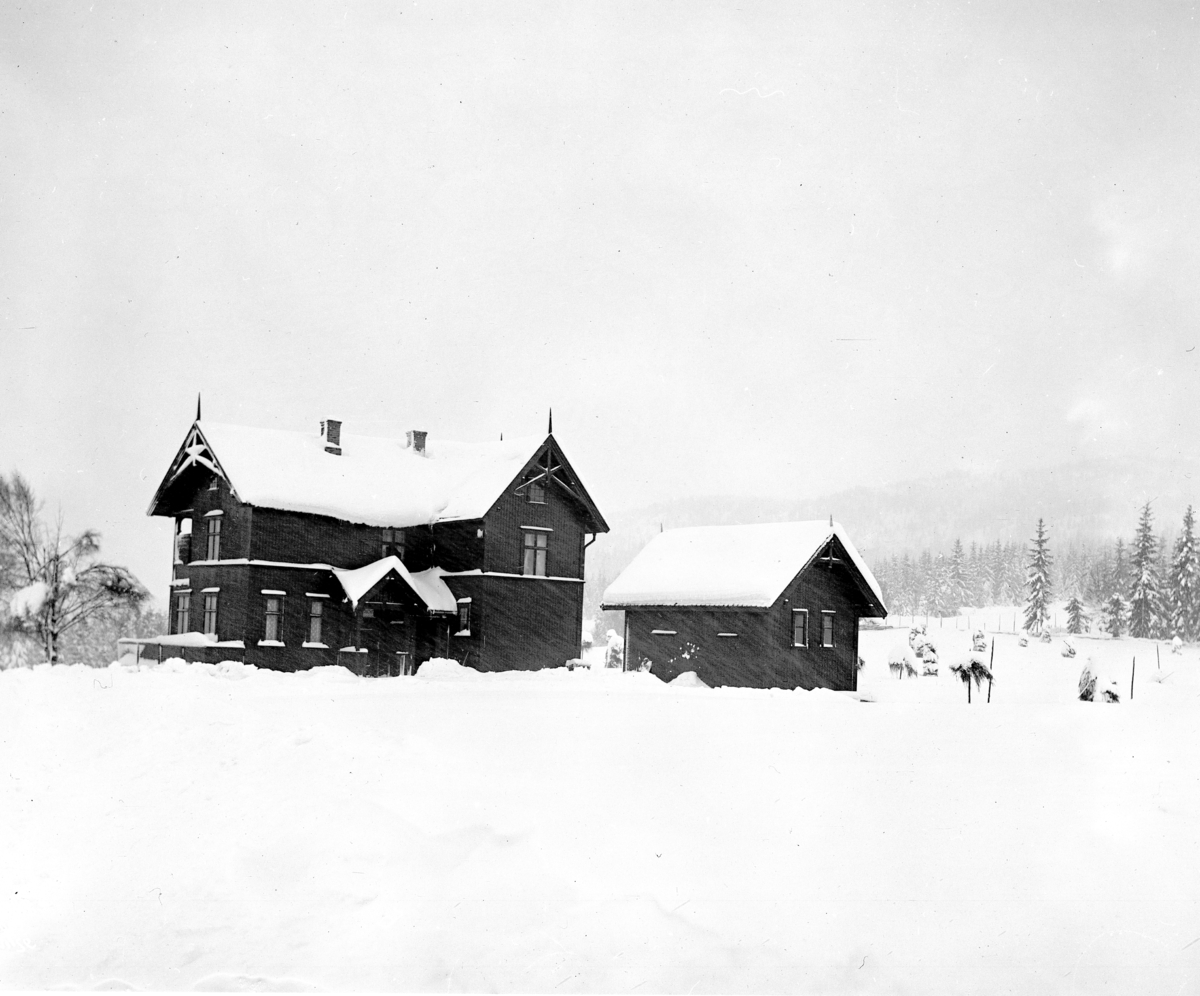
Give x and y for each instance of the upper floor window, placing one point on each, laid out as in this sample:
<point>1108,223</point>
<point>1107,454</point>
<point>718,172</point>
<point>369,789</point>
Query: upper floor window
<point>214,485</point>
<point>392,543</point>
<point>826,629</point>
<point>535,546</point>
<point>274,618</point>
<point>537,492</point>
<point>214,538</point>
<point>799,627</point>
<point>183,540</point>
<point>183,605</point>
<point>210,614</point>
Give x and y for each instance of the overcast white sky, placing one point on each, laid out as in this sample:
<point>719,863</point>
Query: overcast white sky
<point>783,249</point>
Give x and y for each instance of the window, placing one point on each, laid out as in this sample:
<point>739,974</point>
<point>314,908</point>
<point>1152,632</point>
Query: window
<point>183,605</point>
<point>537,492</point>
<point>826,629</point>
<point>392,544</point>
<point>183,540</point>
<point>213,485</point>
<point>316,607</point>
<point>273,627</point>
<point>799,627</point>
<point>210,615</point>
<point>535,554</point>
<point>464,617</point>
<point>214,538</point>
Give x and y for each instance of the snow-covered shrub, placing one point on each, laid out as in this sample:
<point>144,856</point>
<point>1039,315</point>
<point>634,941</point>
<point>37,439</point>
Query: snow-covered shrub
<point>861,662</point>
<point>901,662</point>
<point>979,640</point>
<point>614,655</point>
<point>1068,648</point>
<point>1023,641</point>
<point>1087,681</point>
<point>1176,645</point>
<point>1045,637</point>
<point>974,668</point>
<point>916,635</point>
<point>1096,686</point>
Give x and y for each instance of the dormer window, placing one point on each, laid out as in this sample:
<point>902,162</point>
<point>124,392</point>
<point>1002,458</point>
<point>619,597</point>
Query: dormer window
<point>392,543</point>
<point>537,493</point>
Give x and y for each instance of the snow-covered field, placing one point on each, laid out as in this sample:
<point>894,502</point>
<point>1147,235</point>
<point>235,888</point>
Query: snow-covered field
<point>223,827</point>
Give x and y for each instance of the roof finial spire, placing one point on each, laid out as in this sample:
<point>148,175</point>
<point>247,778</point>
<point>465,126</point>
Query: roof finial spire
<point>830,520</point>
<point>197,406</point>
<point>550,427</point>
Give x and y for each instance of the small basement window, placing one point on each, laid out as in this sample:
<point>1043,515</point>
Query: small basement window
<point>799,627</point>
<point>827,629</point>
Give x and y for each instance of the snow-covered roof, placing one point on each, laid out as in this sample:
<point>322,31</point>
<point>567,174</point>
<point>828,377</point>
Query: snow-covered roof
<point>375,481</point>
<point>727,565</point>
<point>428,585</point>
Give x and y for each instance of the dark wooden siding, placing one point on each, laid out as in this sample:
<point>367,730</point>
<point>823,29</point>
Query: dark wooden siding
<point>236,520</point>
<point>525,624</point>
<point>454,546</point>
<point>299,538</point>
<point>819,589</point>
<point>761,655</point>
<point>504,551</point>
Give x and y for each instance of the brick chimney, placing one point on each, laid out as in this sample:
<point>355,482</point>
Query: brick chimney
<point>416,441</point>
<point>331,435</point>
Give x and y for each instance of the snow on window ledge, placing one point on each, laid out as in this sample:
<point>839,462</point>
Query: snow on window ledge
<point>463,632</point>
<point>271,643</point>
<point>662,632</point>
<point>727,634</point>
<point>316,646</point>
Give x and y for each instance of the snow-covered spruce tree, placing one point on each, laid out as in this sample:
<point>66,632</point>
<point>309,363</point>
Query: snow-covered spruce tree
<point>1115,615</point>
<point>1145,596</point>
<point>1185,583</point>
<point>1037,581</point>
<point>959,587</point>
<point>55,581</point>
<point>1076,615</point>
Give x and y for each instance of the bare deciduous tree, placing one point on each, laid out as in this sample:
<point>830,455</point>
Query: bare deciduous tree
<point>53,582</point>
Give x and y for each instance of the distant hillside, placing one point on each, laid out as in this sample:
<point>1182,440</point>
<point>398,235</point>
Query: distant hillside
<point>1094,499</point>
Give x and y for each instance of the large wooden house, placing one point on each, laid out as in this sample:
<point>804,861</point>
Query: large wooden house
<point>296,549</point>
<point>762,606</point>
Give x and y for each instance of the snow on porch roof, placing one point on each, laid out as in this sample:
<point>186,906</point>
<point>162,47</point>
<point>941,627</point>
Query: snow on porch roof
<point>727,565</point>
<point>375,481</point>
<point>428,585</point>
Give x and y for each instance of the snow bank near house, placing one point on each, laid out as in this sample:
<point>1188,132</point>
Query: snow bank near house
<point>193,825</point>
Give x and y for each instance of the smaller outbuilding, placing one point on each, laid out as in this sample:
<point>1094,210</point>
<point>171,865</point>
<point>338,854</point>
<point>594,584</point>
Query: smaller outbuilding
<point>760,606</point>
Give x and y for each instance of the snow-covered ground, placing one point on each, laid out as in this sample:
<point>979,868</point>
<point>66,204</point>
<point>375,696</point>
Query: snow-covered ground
<point>222,827</point>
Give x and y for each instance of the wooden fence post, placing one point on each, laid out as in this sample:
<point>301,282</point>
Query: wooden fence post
<point>1132,675</point>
